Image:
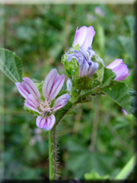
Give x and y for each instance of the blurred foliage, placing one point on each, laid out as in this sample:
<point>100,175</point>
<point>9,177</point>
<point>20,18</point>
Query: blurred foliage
<point>100,137</point>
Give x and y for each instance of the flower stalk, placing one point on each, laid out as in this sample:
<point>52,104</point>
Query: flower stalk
<point>51,152</point>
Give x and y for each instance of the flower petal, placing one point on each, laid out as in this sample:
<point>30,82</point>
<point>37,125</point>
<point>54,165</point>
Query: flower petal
<point>32,103</point>
<point>28,87</point>
<point>121,72</point>
<point>69,85</point>
<point>89,38</point>
<point>92,68</point>
<point>52,84</point>
<point>61,102</point>
<point>83,68</point>
<point>115,63</point>
<point>84,37</point>
<point>119,68</point>
<point>45,122</point>
<point>22,90</point>
<point>80,36</point>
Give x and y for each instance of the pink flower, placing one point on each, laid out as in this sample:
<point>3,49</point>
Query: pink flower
<point>84,37</point>
<point>119,68</point>
<point>34,101</point>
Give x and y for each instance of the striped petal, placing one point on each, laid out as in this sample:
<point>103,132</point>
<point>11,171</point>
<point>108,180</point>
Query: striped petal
<point>83,68</point>
<point>80,36</point>
<point>28,87</point>
<point>121,72</point>
<point>92,68</point>
<point>32,103</point>
<point>61,102</point>
<point>84,37</point>
<point>89,38</point>
<point>52,84</point>
<point>45,122</point>
<point>119,68</point>
<point>115,63</point>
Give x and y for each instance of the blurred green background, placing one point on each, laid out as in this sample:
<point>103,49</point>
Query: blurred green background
<point>100,137</point>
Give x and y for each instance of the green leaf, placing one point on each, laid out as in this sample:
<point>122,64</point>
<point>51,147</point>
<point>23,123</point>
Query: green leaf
<point>10,65</point>
<point>108,76</point>
<point>118,91</point>
<point>93,175</point>
<point>127,169</point>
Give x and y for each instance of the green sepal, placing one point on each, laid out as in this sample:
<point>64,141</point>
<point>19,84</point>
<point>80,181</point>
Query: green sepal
<point>61,93</point>
<point>108,76</point>
<point>76,47</point>
<point>39,86</point>
<point>71,68</point>
<point>100,74</point>
<point>118,91</point>
<point>85,83</point>
<point>99,60</point>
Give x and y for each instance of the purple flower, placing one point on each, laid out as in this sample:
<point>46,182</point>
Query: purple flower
<point>124,111</point>
<point>84,37</point>
<point>99,11</point>
<point>119,68</point>
<point>86,66</point>
<point>34,101</point>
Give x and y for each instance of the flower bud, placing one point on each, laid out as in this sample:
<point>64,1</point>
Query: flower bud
<point>84,37</point>
<point>119,68</point>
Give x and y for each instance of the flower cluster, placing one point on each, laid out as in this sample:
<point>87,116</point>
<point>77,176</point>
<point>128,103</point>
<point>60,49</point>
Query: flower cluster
<point>44,104</point>
<point>83,38</point>
<point>81,62</point>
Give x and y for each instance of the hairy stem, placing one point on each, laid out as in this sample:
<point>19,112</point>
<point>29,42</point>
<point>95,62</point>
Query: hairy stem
<point>55,153</point>
<point>52,143</point>
<point>51,158</point>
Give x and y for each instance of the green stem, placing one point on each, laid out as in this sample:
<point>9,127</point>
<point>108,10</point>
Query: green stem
<point>51,160</point>
<point>124,173</point>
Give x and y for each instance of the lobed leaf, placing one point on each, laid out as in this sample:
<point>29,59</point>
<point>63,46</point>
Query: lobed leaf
<point>108,76</point>
<point>118,91</point>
